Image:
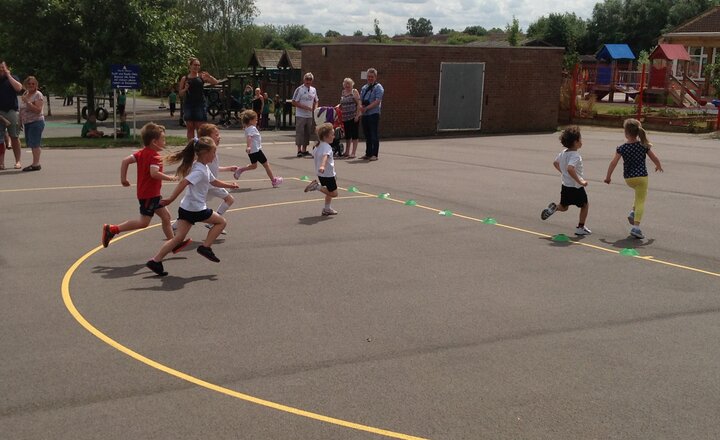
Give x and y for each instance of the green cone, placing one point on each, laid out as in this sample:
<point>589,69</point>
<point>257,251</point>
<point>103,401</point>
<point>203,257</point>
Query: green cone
<point>489,221</point>
<point>410,202</point>
<point>446,213</point>
<point>561,238</point>
<point>353,189</point>
<point>305,178</point>
<point>629,252</point>
<point>383,195</point>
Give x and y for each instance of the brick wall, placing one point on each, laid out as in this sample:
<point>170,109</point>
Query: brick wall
<point>522,85</point>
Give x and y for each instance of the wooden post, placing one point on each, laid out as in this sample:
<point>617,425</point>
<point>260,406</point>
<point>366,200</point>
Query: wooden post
<point>573,95</point>
<point>640,93</point>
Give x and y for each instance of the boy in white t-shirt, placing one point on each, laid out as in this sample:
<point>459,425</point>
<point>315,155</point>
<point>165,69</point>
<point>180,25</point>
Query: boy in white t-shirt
<point>324,167</point>
<point>569,164</point>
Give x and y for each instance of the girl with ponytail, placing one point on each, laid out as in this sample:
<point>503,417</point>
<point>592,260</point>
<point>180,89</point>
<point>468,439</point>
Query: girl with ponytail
<point>633,153</point>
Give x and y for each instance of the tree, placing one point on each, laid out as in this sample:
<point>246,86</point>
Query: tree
<point>358,33</point>
<point>421,27</point>
<point>475,30</point>
<point>378,33</point>
<point>332,34</point>
<point>513,32</point>
<point>445,31</point>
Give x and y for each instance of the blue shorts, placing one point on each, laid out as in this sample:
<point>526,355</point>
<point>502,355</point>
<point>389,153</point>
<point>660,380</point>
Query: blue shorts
<point>148,206</point>
<point>193,217</point>
<point>194,113</point>
<point>33,133</point>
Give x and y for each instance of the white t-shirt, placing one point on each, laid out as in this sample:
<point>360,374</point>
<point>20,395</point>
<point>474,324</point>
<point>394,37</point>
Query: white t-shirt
<point>214,166</point>
<point>26,114</point>
<point>324,149</point>
<point>255,139</point>
<point>306,96</point>
<point>570,158</point>
<point>196,193</point>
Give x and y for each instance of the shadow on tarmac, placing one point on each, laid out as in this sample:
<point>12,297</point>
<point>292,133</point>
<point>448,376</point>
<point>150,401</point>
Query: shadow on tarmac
<point>309,221</point>
<point>172,283</point>
<point>629,242</point>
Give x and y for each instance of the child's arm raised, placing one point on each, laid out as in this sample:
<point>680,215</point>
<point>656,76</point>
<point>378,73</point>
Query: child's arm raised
<point>178,190</point>
<point>123,169</point>
<point>656,161</point>
<point>611,168</point>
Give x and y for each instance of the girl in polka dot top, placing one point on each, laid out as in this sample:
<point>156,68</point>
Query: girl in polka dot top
<point>633,154</point>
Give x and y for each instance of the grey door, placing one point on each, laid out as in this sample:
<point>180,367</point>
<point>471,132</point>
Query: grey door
<point>461,96</point>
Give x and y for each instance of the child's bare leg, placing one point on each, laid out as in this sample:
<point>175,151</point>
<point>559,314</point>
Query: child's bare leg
<point>166,220</point>
<point>562,208</point>
<point>584,213</point>
<point>266,165</point>
<point>140,223</point>
<point>182,229</point>
<point>218,223</point>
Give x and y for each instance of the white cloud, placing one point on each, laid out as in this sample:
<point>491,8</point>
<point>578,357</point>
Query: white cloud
<point>321,15</point>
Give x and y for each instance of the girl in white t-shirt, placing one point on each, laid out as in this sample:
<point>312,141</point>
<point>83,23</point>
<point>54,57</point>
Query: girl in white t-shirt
<point>249,119</point>
<point>197,178</point>
<point>324,167</point>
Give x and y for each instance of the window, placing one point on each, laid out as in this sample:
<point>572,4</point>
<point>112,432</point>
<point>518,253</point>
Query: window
<point>698,61</point>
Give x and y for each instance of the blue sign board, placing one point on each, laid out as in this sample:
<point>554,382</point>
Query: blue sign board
<point>125,76</point>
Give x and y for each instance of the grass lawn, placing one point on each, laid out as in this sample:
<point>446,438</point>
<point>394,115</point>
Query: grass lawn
<point>78,142</point>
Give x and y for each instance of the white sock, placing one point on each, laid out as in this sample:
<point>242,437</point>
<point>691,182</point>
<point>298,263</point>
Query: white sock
<point>327,206</point>
<point>222,208</point>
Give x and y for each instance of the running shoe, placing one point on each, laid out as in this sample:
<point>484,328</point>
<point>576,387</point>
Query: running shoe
<point>156,267</point>
<point>329,211</point>
<point>107,235</point>
<point>313,186</point>
<point>547,212</point>
<point>582,231</point>
<point>276,181</point>
<point>237,173</point>
<point>637,233</point>
<point>207,253</point>
<point>631,218</point>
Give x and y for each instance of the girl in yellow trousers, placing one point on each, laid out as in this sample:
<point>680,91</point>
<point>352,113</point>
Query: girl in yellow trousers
<point>633,153</point>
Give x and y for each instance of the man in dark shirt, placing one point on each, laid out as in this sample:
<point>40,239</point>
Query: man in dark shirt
<point>10,86</point>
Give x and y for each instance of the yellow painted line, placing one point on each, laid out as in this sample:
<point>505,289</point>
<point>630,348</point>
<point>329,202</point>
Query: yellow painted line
<point>67,299</point>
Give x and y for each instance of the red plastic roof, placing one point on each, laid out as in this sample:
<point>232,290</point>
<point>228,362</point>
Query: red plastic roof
<point>670,52</point>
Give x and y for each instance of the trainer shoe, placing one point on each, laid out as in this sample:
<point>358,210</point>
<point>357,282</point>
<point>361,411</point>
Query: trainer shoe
<point>156,267</point>
<point>631,218</point>
<point>313,186</point>
<point>372,158</point>
<point>547,212</point>
<point>107,235</point>
<point>637,233</point>
<point>306,153</point>
<point>207,253</point>
<point>299,154</point>
<point>276,181</point>
<point>182,245</point>
<point>209,226</point>
<point>582,231</point>
<point>237,173</point>
<point>329,211</point>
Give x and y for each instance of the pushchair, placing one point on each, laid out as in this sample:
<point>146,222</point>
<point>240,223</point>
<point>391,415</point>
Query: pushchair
<point>332,115</point>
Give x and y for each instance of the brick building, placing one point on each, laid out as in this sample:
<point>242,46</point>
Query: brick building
<point>516,88</point>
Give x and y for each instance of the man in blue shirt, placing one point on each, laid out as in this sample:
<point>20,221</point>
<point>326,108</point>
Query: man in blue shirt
<point>371,95</point>
<point>10,86</point>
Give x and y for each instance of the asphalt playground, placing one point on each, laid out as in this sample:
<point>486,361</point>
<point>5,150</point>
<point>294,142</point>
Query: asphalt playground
<point>435,305</point>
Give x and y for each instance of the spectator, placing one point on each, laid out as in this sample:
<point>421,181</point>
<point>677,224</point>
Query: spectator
<point>32,104</point>
<point>349,107</point>
<point>265,118</point>
<point>172,101</point>
<point>124,129</point>
<point>258,103</point>
<point>191,90</point>
<point>278,103</point>
<point>90,128</point>
<point>371,95</point>
<point>122,99</point>
<point>247,97</point>
<point>305,100</point>
<point>9,88</point>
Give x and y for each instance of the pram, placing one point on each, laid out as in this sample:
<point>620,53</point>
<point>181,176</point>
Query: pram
<point>332,115</point>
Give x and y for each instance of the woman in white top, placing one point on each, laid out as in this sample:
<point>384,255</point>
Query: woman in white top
<point>32,103</point>
<point>198,179</point>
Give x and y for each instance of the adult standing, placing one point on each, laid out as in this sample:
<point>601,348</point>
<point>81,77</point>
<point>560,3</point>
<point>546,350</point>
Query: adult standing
<point>10,86</point>
<point>258,103</point>
<point>371,96</point>
<point>191,90</point>
<point>350,108</point>
<point>305,101</point>
<point>32,104</point>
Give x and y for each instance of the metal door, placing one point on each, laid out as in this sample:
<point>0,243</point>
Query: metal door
<point>461,96</point>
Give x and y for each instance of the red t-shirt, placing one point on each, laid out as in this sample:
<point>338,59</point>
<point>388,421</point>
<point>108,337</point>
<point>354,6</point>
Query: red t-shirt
<point>147,187</point>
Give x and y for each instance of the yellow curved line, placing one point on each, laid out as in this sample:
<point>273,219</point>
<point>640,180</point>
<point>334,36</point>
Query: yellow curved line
<point>67,299</point>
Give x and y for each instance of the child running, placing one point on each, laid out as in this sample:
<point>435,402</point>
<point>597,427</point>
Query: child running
<point>197,178</point>
<point>149,181</point>
<point>569,164</point>
<point>324,167</point>
<point>633,153</point>
<point>211,131</point>
<point>249,120</point>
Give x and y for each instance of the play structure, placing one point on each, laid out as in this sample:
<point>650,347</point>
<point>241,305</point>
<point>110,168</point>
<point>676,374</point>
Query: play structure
<point>611,72</point>
<point>666,88</point>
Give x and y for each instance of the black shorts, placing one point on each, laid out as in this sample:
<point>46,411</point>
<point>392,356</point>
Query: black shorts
<point>570,195</point>
<point>257,157</point>
<point>351,129</point>
<point>148,206</point>
<point>328,182</point>
<point>194,216</point>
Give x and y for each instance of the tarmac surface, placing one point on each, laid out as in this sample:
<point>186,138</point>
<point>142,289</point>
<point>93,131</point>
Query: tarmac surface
<point>385,321</point>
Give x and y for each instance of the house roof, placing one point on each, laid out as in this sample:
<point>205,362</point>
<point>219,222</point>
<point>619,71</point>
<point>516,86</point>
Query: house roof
<point>266,58</point>
<point>615,52</point>
<point>291,59</point>
<point>670,52</point>
<point>708,21</point>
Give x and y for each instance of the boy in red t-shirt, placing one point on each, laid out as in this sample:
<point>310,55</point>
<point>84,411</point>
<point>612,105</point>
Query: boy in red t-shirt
<point>149,182</point>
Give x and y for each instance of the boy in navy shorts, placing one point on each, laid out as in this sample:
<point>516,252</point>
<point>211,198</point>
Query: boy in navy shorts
<point>569,164</point>
<point>149,181</point>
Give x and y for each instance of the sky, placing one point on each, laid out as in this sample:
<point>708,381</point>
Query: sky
<point>349,16</point>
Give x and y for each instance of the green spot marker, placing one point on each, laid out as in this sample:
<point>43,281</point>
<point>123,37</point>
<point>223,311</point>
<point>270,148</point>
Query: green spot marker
<point>411,202</point>
<point>383,195</point>
<point>353,189</point>
<point>561,238</point>
<point>446,213</point>
<point>629,252</point>
<point>489,221</point>
<point>305,178</point>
